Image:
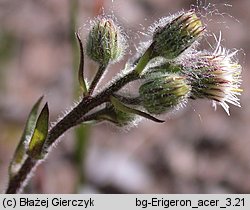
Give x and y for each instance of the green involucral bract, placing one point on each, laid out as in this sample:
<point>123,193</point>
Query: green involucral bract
<point>163,93</point>
<point>105,41</point>
<point>174,37</point>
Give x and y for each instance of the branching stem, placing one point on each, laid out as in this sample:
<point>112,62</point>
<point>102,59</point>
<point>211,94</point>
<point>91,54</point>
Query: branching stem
<point>97,78</point>
<point>87,104</point>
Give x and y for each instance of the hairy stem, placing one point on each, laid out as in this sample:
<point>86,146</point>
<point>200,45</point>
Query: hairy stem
<point>87,104</point>
<point>97,78</point>
<point>16,182</point>
<point>75,115</point>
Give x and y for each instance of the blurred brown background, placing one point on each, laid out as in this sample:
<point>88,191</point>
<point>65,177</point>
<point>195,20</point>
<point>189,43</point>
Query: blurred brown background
<point>197,150</point>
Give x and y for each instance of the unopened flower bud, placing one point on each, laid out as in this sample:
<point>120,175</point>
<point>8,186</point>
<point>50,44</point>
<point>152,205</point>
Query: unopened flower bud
<point>172,38</point>
<point>105,42</point>
<point>161,94</point>
<point>214,76</point>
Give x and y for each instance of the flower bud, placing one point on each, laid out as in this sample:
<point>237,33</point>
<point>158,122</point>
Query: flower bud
<point>171,39</point>
<point>214,76</point>
<point>163,93</point>
<point>105,42</point>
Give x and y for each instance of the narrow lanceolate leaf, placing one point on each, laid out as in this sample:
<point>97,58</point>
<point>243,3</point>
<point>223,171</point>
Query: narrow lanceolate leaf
<point>39,135</point>
<point>144,59</point>
<point>81,66</point>
<point>122,107</point>
<point>20,153</point>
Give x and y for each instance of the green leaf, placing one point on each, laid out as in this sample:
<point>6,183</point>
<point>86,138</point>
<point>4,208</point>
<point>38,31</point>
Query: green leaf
<point>122,107</point>
<point>144,59</point>
<point>40,134</point>
<point>20,153</point>
<point>81,66</point>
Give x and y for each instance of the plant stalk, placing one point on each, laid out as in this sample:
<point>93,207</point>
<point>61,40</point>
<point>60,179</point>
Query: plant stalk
<point>88,103</point>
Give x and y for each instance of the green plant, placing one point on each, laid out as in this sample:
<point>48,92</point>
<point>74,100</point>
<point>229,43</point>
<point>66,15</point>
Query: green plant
<point>171,70</point>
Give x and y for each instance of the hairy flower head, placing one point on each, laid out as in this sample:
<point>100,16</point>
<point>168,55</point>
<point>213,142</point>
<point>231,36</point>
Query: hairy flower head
<point>174,37</point>
<point>215,76</point>
<point>160,94</point>
<point>105,42</point>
